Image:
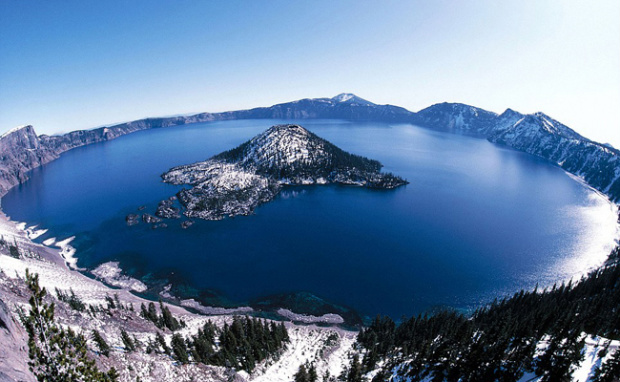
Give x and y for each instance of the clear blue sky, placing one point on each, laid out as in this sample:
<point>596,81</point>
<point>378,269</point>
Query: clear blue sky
<point>67,65</point>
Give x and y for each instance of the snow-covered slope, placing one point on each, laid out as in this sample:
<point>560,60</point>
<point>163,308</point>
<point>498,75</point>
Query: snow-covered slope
<point>456,117</point>
<point>235,182</point>
<point>351,99</point>
<point>327,347</point>
<point>541,135</point>
<point>536,134</point>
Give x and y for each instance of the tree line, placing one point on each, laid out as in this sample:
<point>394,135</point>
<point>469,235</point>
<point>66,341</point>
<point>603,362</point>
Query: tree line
<point>498,342</point>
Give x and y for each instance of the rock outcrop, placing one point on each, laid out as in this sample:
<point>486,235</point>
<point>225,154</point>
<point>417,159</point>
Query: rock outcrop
<point>21,151</point>
<point>540,135</point>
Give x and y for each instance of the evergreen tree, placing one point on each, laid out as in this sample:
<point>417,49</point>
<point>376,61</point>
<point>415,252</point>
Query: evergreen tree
<point>167,320</point>
<point>161,341</point>
<point>610,370</point>
<point>56,354</point>
<point>127,341</point>
<point>355,372</point>
<point>179,348</point>
<point>498,342</point>
<point>302,374</point>
<point>312,375</point>
<point>101,343</point>
<point>152,314</point>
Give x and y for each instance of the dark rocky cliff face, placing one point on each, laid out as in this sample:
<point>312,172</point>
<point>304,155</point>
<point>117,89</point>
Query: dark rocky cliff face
<point>20,152</point>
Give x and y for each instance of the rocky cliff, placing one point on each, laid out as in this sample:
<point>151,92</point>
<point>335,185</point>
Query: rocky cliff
<point>540,135</point>
<point>21,151</point>
<point>536,134</point>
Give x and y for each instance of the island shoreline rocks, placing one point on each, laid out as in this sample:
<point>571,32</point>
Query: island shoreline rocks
<point>237,181</point>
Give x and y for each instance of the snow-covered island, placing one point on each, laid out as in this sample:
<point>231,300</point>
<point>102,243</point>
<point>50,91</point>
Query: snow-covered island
<point>235,182</point>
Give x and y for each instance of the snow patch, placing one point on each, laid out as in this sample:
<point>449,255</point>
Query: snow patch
<point>211,310</point>
<point>111,273</point>
<point>329,318</point>
<point>67,252</point>
<point>49,242</point>
<point>13,130</point>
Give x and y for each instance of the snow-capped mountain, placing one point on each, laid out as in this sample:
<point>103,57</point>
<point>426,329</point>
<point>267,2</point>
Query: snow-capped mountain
<point>536,134</point>
<point>294,155</point>
<point>541,135</point>
<point>343,106</point>
<point>352,99</point>
<point>235,182</point>
<point>456,117</point>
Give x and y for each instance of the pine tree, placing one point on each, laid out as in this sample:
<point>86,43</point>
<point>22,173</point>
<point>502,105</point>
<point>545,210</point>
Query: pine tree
<point>302,374</point>
<point>56,354</point>
<point>101,343</point>
<point>355,372</point>
<point>167,320</point>
<point>152,315</point>
<point>179,348</point>
<point>312,375</point>
<point>127,341</point>
<point>610,370</point>
<point>161,341</point>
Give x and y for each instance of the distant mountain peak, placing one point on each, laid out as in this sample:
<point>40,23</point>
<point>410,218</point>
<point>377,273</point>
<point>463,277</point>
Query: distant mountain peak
<point>351,99</point>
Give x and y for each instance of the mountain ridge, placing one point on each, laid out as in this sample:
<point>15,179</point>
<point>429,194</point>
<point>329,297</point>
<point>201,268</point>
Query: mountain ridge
<point>536,134</point>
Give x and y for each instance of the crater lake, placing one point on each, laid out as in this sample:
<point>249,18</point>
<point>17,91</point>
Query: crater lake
<point>477,220</point>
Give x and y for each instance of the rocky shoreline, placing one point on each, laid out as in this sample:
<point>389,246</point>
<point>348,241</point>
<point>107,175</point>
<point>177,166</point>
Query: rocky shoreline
<point>54,275</point>
<point>237,181</point>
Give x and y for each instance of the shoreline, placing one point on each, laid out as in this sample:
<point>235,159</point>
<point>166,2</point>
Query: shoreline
<point>110,275</point>
<point>54,274</point>
<point>67,252</point>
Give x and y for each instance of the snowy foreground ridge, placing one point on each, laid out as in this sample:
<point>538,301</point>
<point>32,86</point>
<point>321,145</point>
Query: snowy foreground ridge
<point>327,347</point>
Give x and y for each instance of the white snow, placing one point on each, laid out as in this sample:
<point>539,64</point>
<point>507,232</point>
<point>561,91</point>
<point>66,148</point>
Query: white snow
<point>67,252</point>
<point>344,97</point>
<point>211,310</point>
<point>110,272</point>
<point>33,232</point>
<point>49,242</point>
<point>329,318</point>
<point>13,130</point>
<point>309,344</point>
<point>585,371</point>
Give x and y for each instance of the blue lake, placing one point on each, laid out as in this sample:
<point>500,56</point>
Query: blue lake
<point>477,220</point>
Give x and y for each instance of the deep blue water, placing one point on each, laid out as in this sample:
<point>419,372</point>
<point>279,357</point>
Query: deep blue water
<point>477,220</point>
